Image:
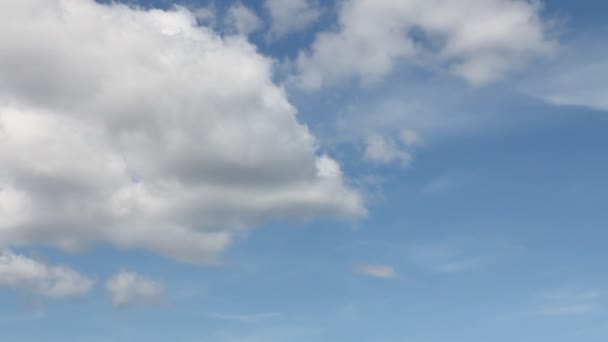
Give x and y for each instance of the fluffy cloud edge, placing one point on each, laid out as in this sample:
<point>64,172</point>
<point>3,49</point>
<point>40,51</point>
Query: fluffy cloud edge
<point>21,273</point>
<point>480,42</point>
<point>176,141</point>
<point>127,288</point>
<point>376,271</point>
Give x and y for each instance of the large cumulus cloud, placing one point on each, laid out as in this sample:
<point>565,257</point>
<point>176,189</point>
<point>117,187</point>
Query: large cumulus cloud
<point>142,129</point>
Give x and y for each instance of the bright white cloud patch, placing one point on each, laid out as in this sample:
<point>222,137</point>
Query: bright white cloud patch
<point>34,277</point>
<point>377,271</point>
<point>291,15</point>
<point>144,130</point>
<point>479,40</point>
<point>128,288</point>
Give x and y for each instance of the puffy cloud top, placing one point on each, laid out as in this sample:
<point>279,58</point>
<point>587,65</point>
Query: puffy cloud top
<point>127,288</point>
<point>25,274</point>
<point>145,130</point>
<point>478,40</point>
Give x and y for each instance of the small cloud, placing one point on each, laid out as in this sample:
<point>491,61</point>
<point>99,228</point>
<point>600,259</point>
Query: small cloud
<point>247,318</point>
<point>205,15</point>
<point>410,138</point>
<point>128,288</point>
<point>242,20</point>
<point>377,271</point>
<point>34,277</point>
<point>289,16</point>
<point>383,151</point>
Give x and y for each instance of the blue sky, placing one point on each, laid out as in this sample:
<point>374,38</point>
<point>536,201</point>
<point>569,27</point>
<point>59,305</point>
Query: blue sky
<point>291,170</point>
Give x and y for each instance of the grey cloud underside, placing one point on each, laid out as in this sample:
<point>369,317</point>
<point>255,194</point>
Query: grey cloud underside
<point>145,130</point>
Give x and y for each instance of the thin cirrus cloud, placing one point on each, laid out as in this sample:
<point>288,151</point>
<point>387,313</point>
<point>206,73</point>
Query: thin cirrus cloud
<point>377,271</point>
<point>448,257</point>
<point>36,278</point>
<point>576,77</point>
<point>569,302</point>
<point>479,41</point>
<point>130,288</point>
<point>247,318</point>
<point>142,129</point>
<point>567,310</point>
<point>442,184</point>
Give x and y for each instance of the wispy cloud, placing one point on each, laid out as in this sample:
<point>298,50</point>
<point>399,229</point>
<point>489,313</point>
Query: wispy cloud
<point>26,317</point>
<point>247,318</point>
<point>377,271</point>
<point>440,185</point>
<point>578,76</point>
<point>40,279</point>
<point>569,302</point>
<point>447,257</point>
<point>573,295</point>
<point>458,266</point>
<point>384,151</point>
<point>128,288</point>
<point>568,310</point>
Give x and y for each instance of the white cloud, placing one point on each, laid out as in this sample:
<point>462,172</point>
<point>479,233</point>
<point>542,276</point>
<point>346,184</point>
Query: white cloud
<point>34,277</point>
<point>290,16</point>
<point>239,18</point>
<point>478,40</point>
<point>128,288</point>
<point>384,151</point>
<point>142,129</point>
<point>377,271</point>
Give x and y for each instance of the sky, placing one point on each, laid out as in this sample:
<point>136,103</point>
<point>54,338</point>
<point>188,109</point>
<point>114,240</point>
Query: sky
<point>302,170</point>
